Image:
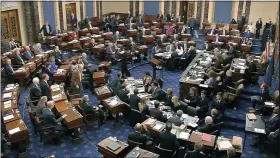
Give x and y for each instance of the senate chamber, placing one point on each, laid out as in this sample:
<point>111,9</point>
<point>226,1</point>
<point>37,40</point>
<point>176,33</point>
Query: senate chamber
<point>149,79</point>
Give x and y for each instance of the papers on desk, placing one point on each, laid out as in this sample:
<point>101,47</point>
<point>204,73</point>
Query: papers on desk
<point>269,104</point>
<point>59,71</point>
<point>8,117</point>
<point>158,127</point>
<point>199,79</point>
<point>242,64</point>
<point>184,135</point>
<point>241,67</point>
<point>9,88</point>
<point>113,102</point>
<point>184,116</point>
<point>251,116</point>
<point>10,85</point>
<point>224,145</point>
<point>203,85</point>
<point>258,130</point>
<point>150,122</point>
<point>57,97</point>
<point>206,137</point>
<point>141,90</point>
<point>192,124</point>
<point>15,130</point>
<point>55,87</point>
<point>7,95</point>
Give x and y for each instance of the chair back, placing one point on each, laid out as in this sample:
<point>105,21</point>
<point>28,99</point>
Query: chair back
<point>191,111</point>
<point>160,82</point>
<point>218,79</point>
<point>221,73</point>
<point>237,83</point>
<point>80,110</point>
<point>135,117</point>
<point>275,97</point>
<point>225,68</point>
<point>239,89</point>
<point>176,62</point>
<point>163,152</point>
<point>133,144</point>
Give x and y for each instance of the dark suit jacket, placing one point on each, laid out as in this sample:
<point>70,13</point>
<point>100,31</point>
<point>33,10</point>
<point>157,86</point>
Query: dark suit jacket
<point>39,108</point>
<point>44,29</point>
<point>168,99</point>
<point>192,22</point>
<point>35,92</point>
<point>206,129</point>
<point>140,23</point>
<point>48,71</point>
<point>203,104</point>
<point>138,137</point>
<point>219,106</point>
<point>273,123</point>
<point>133,101</point>
<point>157,93</point>
<point>49,118</point>
<point>157,114</point>
<point>193,100</point>
<point>195,154</point>
<point>45,88</point>
<point>168,18</point>
<point>123,95</point>
<point>17,60</point>
<point>8,70</point>
<point>252,67</point>
<point>258,25</point>
<point>57,55</point>
<point>86,107</point>
<point>160,17</point>
<point>145,111</point>
<point>168,141</point>
<point>74,21</point>
<point>175,120</point>
<point>217,119</point>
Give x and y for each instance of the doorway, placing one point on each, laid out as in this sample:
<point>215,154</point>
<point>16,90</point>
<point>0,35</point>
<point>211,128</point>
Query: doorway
<point>190,8</point>
<point>10,25</point>
<point>70,8</point>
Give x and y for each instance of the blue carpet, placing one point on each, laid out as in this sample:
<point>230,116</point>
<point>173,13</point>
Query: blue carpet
<point>234,122</point>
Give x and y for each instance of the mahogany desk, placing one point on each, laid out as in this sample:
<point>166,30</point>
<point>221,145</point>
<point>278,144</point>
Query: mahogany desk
<point>142,153</point>
<point>98,77</point>
<point>20,135</point>
<point>107,152</point>
<point>114,109</point>
<point>102,92</point>
<point>196,137</point>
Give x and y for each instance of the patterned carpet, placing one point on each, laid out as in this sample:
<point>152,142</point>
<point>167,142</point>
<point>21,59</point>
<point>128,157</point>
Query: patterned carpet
<point>234,123</point>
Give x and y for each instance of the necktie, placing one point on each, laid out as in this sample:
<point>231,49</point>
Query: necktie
<point>21,59</point>
<point>11,68</point>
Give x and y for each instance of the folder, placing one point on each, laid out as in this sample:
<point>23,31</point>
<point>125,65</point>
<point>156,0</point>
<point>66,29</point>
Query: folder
<point>113,146</point>
<point>251,116</point>
<point>236,142</point>
<point>206,137</point>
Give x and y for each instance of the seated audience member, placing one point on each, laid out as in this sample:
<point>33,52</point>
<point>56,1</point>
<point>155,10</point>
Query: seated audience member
<point>260,99</point>
<point>40,106</point>
<point>114,83</point>
<point>45,87</point>
<point>208,126</point>
<point>219,103</point>
<point>156,113</point>
<point>122,94</point>
<point>37,48</point>
<point>215,116</point>
<point>168,97</point>
<point>17,60</point>
<point>47,70</point>
<point>212,78</point>
<point>134,100</point>
<point>57,55</point>
<point>9,71</point>
<point>231,51</point>
<point>252,67</point>
<point>177,104</point>
<point>56,31</point>
<point>35,90</point>
<point>167,140</point>
<point>96,112</point>
<point>196,153</point>
<point>192,98</point>
<point>148,85</point>
<point>143,107</point>
<point>138,136</point>
<point>49,118</point>
<point>146,76</point>
<point>157,93</point>
<point>176,120</point>
<point>202,103</point>
<point>27,54</point>
<point>53,67</point>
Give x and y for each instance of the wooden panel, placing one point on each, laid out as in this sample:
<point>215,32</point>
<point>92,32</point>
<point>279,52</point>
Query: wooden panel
<point>70,8</point>
<point>10,25</point>
<point>190,9</point>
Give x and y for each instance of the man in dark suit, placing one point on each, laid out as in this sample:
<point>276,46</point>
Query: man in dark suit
<point>46,28</point>
<point>96,112</point>
<point>45,88</point>
<point>9,70</point>
<point>35,90</point>
<point>258,27</point>
<point>137,136</point>
<point>252,67</point>
<point>231,51</point>
<point>243,21</point>
<point>176,119</point>
<point>207,127</point>
<point>113,23</point>
<point>167,140</point>
<point>57,55</point>
<point>124,69</point>
<point>74,21</point>
<point>156,113</point>
<point>27,54</point>
<point>192,24</point>
<point>184,15</point>
<point>49,118</point>
<point>40,106</point>
<point>114,83</point>
<point>202,104</point>
<point>17,60</point>
<point>134,100</point>
<point>168,17</point>
<point>196,153</point>
<point>156,91</point>
<point>140,22</point>
<point>122,94</point>
<point>219,103</point>
<point>273,123</point>
<point>215,116</point>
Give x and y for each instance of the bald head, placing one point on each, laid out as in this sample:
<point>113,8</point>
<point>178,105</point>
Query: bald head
<point>179,113</point>
<point>138,127</point>
<point>208,120</point>
<point>50,104</point>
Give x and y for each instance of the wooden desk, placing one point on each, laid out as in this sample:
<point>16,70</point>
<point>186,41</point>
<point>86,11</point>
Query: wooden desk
<point>51,40</point>
<point>102,92</point>
<point>107,36</point>
<point>96,37</point>
<point>121,28</point>
<point>84,40</point>
<point>156,24</point>
<point>151,123</point>
<point>62,106</point>
<point>217,44</point>
<point>60,77</point>
<point>105,66</point>
<point>38,61</point>
<point>132,33</point>
<point>18,136</point>
<point>107,152</point>
<point>64,36</point>
<point>15,116</point>
<point>14,88</point>
<point>98,77</point>
<point>21,75</point>
<point>14,96</point>
<point>148,39</point>
<point>83,32</point>
<point>186,36</point>
<point>13,105</point>
<point>233,26</point>
<point>94,30</point>
<point>210,37</point>
<point>123,42</point>
<point>31,66</point>
<point>73,119</point>
<point>245,48</point>
<point>220,139</point>
<point>224,38</point>
<point>197,137</point>
<point>74,44</point>
<point>114,109</point>
<point>143,153</point>
<point>235,39</point>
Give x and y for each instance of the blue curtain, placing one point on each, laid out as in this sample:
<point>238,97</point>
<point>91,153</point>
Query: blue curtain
<point>48,12</point>
<point>269,73</point>
<point>89,8</point>
<point>151,7</point>
<point>222,11</point>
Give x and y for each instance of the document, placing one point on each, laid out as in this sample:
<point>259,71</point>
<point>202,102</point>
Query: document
<point>7,95</point>
<point>224,145</point>
<point>184,135</point>
<point>269,103</point>
<point>15,130</point>
<point>258,130</point>
<point>251,116</point>
<point>206,137</point>
<point>8,117</point>
<point>114,102</point>
<point>157,127</point>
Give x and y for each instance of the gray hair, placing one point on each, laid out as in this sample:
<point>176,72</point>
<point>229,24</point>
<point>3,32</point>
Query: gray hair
<point>50,104</point>
<point>85,98</point>
<point>36,80</point>
<point>208,120</point>
<point>179,113</point>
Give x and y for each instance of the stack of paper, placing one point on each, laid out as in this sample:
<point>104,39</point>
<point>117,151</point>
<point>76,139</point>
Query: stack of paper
<point>157,127</point>
<point>57,97</point>
<point>15,130</point>
<point>113,102</point>
<point>184,135</point>
<point>251,116</point>
<point>8,117</point>
<point>258,130</point>
<point>224,145</point>
<point>7,95</point>
<point>7,104</point>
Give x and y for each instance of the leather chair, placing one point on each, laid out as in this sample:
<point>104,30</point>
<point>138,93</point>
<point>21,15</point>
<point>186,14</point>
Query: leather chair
<point>88,118</point>
<point>276,97</point>
<point>176,63</point>
<point>160,82</point>
<point>135,117</point>
<point>191,111</point>
<point>164,152</point>
<point>233,94</point>
<point>217,128</point>
<point>133,144</point>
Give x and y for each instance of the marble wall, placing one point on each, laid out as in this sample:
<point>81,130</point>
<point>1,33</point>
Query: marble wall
<point>240,10</point>
<point>247,10</point>
<point>60,15</point>
<point>166,7</point>
<point>31,14</point>
<point>199,11</point>
<point>206,10</point>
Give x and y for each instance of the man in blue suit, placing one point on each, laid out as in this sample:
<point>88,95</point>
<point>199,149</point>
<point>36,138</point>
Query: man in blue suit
<point>49,118</point>
<point>74,21</point>
<point>140,22</point>
<point>9,71</point>
<point>27,54</point>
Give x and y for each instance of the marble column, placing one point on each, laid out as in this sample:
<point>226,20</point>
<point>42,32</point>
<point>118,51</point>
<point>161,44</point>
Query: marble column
<point>173,10</point>
<point>82,10</point>
<point>60,15</point>
<point>247,11</point>
<point>131,7</point>
<point>97,8</point>
<point>199,11</point>
<point>206,10</point>
<point>240,10</point>
<point>137,8</point>
<point>31,14</point>
<point>166,7</point>
<point>100,5</point>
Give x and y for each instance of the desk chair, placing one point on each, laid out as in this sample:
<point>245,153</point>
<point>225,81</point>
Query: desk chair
<point>135,117</point>
<point>176,63</point>
<point>231,97</point>
<point>164,152</point>
<point>133,144</point>
<point>217,128</point>
<point>89,119</point>
<point>191,111</point>
<point>275,98</point>
<point>160,82</point>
